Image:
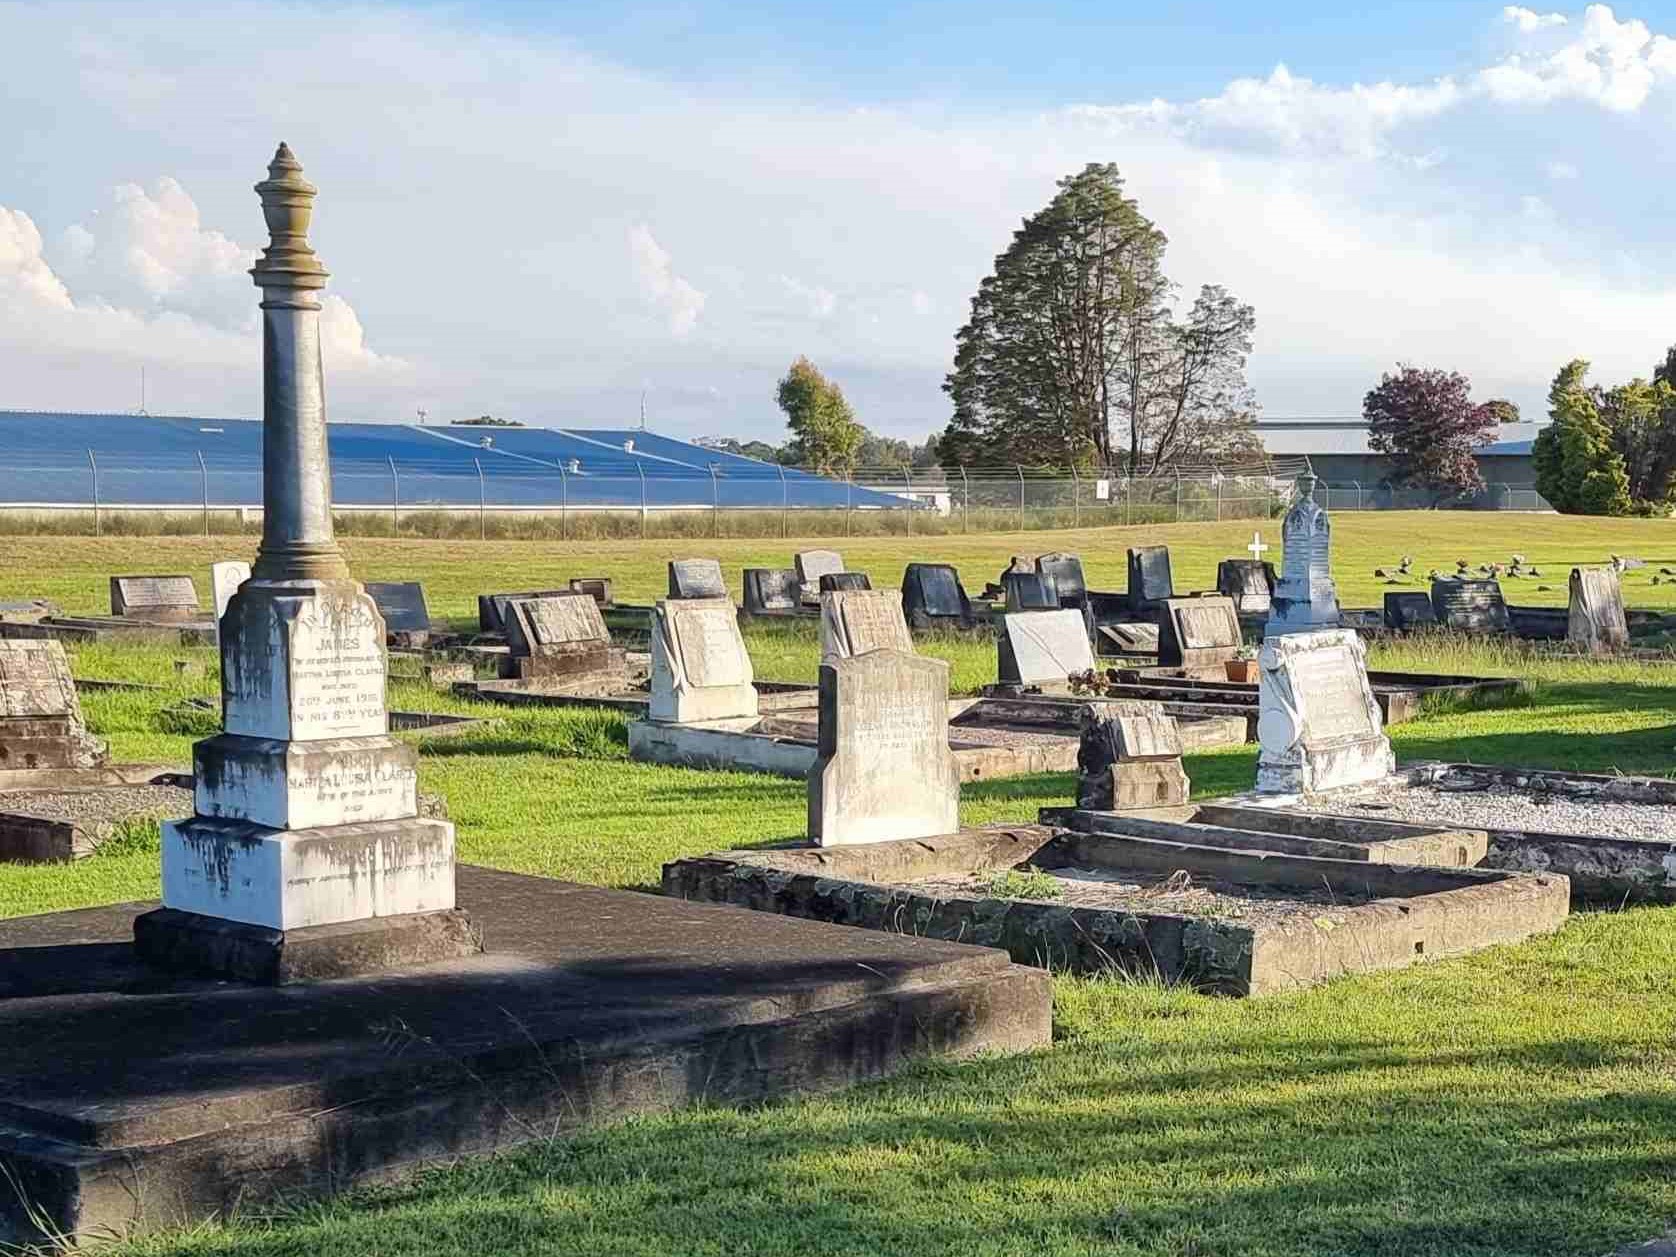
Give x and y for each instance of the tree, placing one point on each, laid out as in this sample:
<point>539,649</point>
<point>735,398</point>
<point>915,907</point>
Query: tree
<point>1071,357</point>
<point>489,421</point>
<point>1503,410</point>
<point>1426,421</point>
<point>883,452</point>
<point>825,434</point>
<point>1640,421</point>
<point>1576,467</point>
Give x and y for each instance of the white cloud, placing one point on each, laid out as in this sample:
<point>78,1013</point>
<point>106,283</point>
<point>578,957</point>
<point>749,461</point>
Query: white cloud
<point>678,300</point>
<point>1528,20</point>
<point>1608,63</point>
<point>812,299</point>
<point>1562,170</point>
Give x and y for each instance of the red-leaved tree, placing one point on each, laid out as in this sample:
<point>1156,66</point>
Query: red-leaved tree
<point>1428,424</point>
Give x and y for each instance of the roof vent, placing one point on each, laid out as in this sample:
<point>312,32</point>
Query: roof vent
<point>575,466</point>
<point>486,442</point>
<point>212,429</point>
<point>628,446</point>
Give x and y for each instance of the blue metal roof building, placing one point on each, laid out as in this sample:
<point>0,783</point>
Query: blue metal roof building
<point>158,461</point>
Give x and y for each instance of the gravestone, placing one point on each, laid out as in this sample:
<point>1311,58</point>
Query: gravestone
<point>1065,572</point>
<point>1317,724</point>
<point>1129,757</point>
<point>154,597</point>
<point>41,723</point>
<point>596,587</point>
<point>491,608</point>
<point>1029,591</point>
<point>225,579</point>
<point>772,591</point>
<point>1043,648</point>
<point>407,620</point>
<point>832,582</point>
<point>696,578</point>
<point>700,670</point>
<point>1470,606</point>
<point>933,597</point>
<point>1407,611</point>
<point>811,565</point>
<point>1199,634</point>
<point>562,638</point>
<point>1304,598</point>
<point>1249,583</point>
<point>856,621</point>
<point>1150,582</point>
<point>884,769</point>
<point>1595,617</point>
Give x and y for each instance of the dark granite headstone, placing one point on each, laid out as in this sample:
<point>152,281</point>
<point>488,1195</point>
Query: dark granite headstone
<point>1470,606</point>
<point>1249,583</point>
<point>932,594</point>
<point>833,581</point>
<point>596,587</point>
<point>1150,582</point>
<point>772,590</point>
<point>1029,591</point>
<point>1406,612</point>
<point>491,608</point>
<point>402,604</point>
<point>696,578</point>
<point>154,597</point>
<point>1065,571</point>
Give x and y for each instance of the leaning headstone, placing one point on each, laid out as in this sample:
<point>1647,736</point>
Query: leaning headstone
<point>154,597</point>
<point>700,670</point>
<point>772,591</point>
<point>491,608</point>
<point>407,620</point>
<point>884,769</point>
<point>1470,606</point>
<point>225,579</point>
<point>811,565</point>
<point>1199,634</point>
<point>1065,572</point>
<point>1043,648</point>
<point>1133,638</point>
<point>1595,619</point>
<point>1407,611</point>
<point>1318,724</point>
<point>932,596</point>
<point>855,621</point>
<point>696,578</point>
<point>1249,583</point>
<point>1305,598</point>
<point>1029,591</point>
<point>1150,582</point>
<point>833,582</point>
<point>596,587</point>
<point>41,723</point>
<point>562,639</point>
<point>1129,757</point>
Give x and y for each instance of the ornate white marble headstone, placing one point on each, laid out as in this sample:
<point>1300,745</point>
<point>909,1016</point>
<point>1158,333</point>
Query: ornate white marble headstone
<point>1318,724</point>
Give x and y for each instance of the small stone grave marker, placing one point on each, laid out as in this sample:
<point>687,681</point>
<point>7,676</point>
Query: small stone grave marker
<point>1043,648</point>
<point>596,587</point>
<point>1470,606</point>
<point>696,578</point>
<point>1065,571</point>
<point>811,565</point>
<point>700,669</point>
<point>491,608</point>
<point>562,637</point>
<point>40,716</point>
<point>1198,633</point>
<point>856,621</point>
<point>1150,582</point>
<point>1029,591</point>
<point>832,582</point>
<point>1407,611</point>
<point>1595,618</point>
<point>772,591</point>
<point>1318,724</point>
<point>1129,757</point>
<point>407,620</point>
<point>225,579</point>
<point>154,597</point>
<point>933,595</point>
<point>1249,583</point>
<point>884,768</point>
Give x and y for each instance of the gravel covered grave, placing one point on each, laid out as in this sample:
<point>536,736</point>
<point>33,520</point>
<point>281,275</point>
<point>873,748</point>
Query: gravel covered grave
<point>1498,807</point>
<point>102,804</point>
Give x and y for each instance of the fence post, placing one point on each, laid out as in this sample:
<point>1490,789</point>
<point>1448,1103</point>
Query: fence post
<point>1219,497</point>
<point>965,501</point>
<point>1358,485</point>
<point>1128,498</point>
<point>1020,471</point>
<point>715,504</point>
<point>395,497</point>
<point>641,468</point>
<point>908,496</point>
<point>785,501</point>
<point>849,500</point>
<point>1076,498</point>
<point>1178,495</point>
<point>564,503</point>
<point>93,463</point>
<point>482,525</point>
<point>203,480</point>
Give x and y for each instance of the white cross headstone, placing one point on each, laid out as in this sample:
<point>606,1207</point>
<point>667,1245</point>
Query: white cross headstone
<point>1257,546</point>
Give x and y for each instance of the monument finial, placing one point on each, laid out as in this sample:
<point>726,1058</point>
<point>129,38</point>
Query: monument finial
<point>287,205</point>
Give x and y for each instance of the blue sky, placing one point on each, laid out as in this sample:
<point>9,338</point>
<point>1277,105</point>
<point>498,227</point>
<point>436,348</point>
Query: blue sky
<point>543,210</point>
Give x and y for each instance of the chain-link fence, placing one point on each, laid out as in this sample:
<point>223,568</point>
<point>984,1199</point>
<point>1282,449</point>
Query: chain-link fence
<point>1354,495</point>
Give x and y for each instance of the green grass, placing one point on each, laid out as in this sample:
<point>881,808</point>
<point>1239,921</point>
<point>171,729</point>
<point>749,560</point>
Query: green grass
<point>1519,1101</point>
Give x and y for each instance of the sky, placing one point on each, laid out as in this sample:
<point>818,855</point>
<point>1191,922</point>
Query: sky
<point>548,211</point>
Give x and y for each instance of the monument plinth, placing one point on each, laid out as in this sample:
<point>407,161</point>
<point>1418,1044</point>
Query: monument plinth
<point>307,856</point>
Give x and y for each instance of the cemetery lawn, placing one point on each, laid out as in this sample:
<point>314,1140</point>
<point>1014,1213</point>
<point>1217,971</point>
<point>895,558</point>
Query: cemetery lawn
<point>1519,1101</point>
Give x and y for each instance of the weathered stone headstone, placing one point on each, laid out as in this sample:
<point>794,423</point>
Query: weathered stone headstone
<point>772,591</point>
<point>1318,724</point>
<point>700,669</point>
<point>562,638</point>
<point>856,621</point>
<point>1029,591</point>
<point>596,587</point>
<point>407,620</point>
<point>307,811</point>
<point>1065,571</point>
<point>1407,611</point>
<point>833,582</point>
<point>1595,618</point>
<point>40,716</point>
<point>932,596</point>
<point>154,597</point>
<point>1470,606</point>
<point>884,768</point>
<point>1133,638</point>
<point>1198,633</point>
<point>1129,757</point>
<point>491,608</point>
<point>225,579</point>
<point>811,565</point>
<point>1043,648</point>
<point>1305,598</point>
<point>1150,582</point>
<point>696,578</point>
<point>1249,583</point>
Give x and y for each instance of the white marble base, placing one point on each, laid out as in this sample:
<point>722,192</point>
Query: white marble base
<point>298,785</point>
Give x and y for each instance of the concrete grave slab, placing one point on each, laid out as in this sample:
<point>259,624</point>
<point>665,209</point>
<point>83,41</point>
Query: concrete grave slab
<point>41,725</point>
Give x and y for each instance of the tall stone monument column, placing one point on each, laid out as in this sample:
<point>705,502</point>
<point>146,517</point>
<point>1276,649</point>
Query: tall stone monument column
<point>306,857</point>
<point>1304,599</point>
